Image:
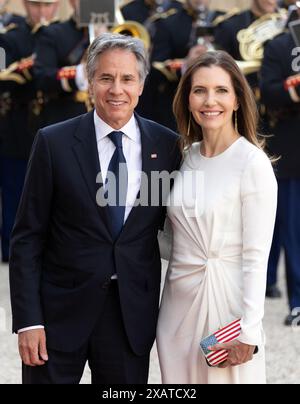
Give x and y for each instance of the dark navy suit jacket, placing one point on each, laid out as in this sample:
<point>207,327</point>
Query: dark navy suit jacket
<point>62,251</point>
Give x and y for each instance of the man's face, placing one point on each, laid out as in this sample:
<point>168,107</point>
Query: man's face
<point>116,86</point>
<point>195,4</point>
<point>39,12</point>
<point>265,6</point>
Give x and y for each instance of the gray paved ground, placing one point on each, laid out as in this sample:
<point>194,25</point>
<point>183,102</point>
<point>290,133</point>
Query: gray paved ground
<point>283,344</point>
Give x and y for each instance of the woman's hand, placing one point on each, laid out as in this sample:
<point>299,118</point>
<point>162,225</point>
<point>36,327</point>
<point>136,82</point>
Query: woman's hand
<point>239,353</point>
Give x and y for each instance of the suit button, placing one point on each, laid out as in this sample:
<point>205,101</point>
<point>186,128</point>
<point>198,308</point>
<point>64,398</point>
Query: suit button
<point>106,285</point>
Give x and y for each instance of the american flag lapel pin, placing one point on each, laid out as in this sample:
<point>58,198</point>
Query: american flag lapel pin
<point>154,156</point>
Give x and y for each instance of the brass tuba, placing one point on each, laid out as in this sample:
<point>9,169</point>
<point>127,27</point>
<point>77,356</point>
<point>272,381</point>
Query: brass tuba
<point>134,29</point>
<point>131,28</point>
<point>253,39</point>
<point>109,18</point>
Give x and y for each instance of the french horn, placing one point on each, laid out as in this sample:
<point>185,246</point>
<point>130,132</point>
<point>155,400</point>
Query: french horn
<point>253,39</point>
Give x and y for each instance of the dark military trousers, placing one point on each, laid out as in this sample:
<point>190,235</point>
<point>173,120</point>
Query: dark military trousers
<point>287,236</point>
<point>274,255</point>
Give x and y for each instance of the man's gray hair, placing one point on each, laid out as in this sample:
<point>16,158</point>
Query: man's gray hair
<point>109,41</point>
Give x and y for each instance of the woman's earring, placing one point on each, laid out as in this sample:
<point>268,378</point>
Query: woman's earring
<point>189,125</point>
<point>236,121</point>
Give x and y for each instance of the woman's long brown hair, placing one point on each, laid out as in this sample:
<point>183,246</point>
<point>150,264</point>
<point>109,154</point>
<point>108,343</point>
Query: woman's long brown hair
<point>247,114</point>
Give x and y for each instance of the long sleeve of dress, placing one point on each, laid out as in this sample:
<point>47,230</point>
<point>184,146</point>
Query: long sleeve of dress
<point>259,202</point>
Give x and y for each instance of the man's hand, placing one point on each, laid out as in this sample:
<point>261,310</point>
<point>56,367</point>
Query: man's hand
<point>239,353</point>
<point>32,347</point>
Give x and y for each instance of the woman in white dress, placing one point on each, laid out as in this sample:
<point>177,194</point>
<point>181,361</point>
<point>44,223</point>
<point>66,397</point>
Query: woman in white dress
<point>222,223</point>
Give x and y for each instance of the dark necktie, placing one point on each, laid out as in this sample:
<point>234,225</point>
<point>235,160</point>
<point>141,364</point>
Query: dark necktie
<point>117,168</point>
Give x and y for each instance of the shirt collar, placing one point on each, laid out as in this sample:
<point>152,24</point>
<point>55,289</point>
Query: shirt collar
<point>131,129</point>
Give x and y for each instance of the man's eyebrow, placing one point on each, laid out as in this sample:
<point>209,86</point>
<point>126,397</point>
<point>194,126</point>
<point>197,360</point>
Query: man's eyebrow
<point>111,76</point>
<point>106,75</point>
<point>128,75</point>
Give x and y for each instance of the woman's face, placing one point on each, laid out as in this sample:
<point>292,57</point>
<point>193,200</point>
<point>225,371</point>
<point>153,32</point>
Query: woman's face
<point>212,99</point>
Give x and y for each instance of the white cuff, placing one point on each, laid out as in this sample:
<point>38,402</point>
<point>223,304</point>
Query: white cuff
<point>252,335</point>
<point>35,327</point>
<point>80,78</point>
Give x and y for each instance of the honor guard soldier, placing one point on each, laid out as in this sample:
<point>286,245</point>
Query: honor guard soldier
<point>280,89</point>
<point>227,32</point>
<point>60,70</point>
<point>181,35</point>
<point>142,10</point>
<point>19,107</point>
<point>240,29</point>
<point>244,36</point>
<point>8,21</point>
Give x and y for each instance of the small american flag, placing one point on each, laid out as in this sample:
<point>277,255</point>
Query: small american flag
<point>226,334</point>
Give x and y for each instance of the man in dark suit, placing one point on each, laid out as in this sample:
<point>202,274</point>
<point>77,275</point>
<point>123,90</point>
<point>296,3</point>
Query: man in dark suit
<point>283,104</point>
<point>85,276</point>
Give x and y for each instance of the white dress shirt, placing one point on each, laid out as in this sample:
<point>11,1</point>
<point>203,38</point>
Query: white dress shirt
<point>132,149</point>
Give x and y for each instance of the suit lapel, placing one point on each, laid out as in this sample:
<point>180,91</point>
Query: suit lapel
<point>86,152</point>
